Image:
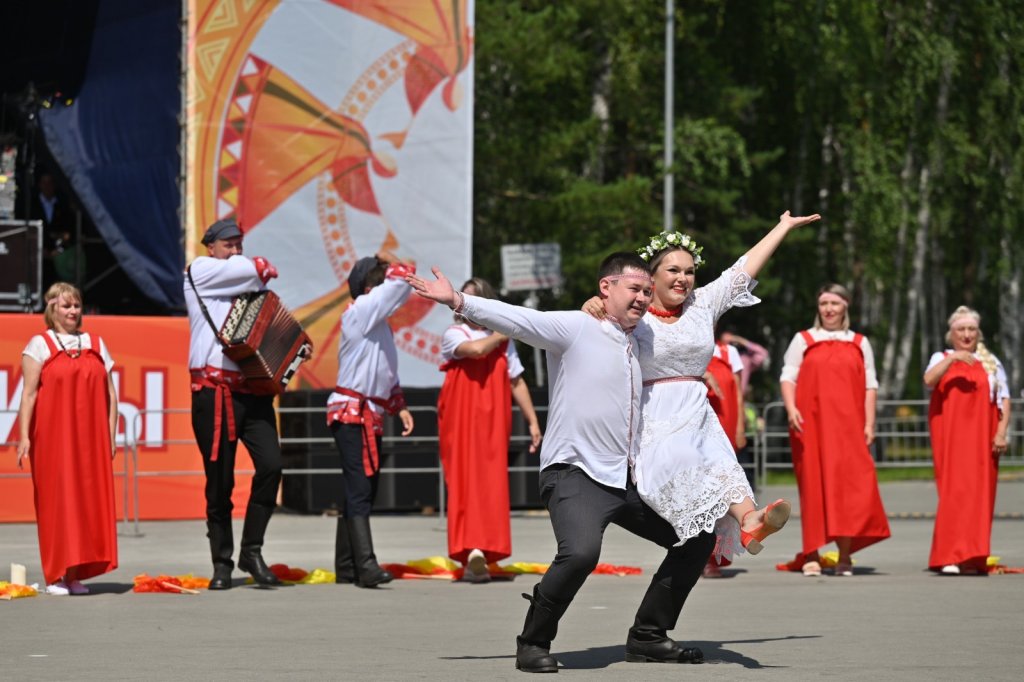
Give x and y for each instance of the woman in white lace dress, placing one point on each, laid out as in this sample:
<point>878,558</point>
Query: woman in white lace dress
<point>685,467</point>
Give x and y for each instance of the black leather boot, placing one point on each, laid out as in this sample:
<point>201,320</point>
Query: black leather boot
<point>250,557</point>
<point>368,571</point>
<point>533,647</point>
<point>648,641</point>
<point>221,547</point>
<point>344,566</point>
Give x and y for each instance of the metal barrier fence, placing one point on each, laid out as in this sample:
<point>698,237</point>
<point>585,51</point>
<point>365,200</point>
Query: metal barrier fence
<point>901,440</point>
<point>126,473</point>
<point>901,437</point>
<point>134,442</point>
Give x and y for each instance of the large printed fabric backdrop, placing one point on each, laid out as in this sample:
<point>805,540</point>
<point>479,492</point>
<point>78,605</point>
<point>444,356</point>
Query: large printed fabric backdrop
<point>330,129</point>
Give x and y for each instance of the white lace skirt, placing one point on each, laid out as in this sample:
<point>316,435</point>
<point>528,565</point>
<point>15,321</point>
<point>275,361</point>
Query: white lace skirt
<point>686,469</point>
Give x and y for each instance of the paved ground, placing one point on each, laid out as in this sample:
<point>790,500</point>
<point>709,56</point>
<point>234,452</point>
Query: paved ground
<point>891,621</point>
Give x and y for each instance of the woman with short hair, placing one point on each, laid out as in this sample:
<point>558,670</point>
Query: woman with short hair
<point>68,422</point>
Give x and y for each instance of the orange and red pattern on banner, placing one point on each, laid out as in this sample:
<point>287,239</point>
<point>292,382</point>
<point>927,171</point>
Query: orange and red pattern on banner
<point>151,374</point>
<point>332,129</point>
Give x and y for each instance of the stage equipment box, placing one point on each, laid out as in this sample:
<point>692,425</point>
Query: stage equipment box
<point>21,265</point>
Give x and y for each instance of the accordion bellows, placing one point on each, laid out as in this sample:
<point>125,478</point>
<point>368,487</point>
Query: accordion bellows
<point>263,338</point>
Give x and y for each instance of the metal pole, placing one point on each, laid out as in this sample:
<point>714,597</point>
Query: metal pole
<point>670,17</point>
<point>183,130</point>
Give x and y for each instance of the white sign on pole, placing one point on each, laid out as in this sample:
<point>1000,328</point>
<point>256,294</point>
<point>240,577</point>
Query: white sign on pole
<point>528,267</point>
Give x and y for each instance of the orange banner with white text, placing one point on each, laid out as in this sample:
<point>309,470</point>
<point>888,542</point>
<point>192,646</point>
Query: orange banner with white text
<point>151,377</point>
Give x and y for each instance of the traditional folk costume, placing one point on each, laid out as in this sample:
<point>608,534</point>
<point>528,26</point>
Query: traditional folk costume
<point>686,469</point>
<point>585,482</point>
<point>724,366</point>
<point>225,411</point>
<point>72,474</point>
<point>367,389</point>
<point>962,417</point>
<point>474,423</point>
<point>835,474</point>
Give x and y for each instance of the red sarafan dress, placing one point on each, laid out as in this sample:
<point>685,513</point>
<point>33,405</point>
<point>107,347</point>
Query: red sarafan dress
<point>72,475</point>
<point>962,419</point>
<point>726,407</point>
<point>835,473</point>
<point>474,422</point>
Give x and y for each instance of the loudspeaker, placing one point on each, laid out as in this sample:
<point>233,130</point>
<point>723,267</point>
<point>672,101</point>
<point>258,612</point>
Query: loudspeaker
<point>21,265</point>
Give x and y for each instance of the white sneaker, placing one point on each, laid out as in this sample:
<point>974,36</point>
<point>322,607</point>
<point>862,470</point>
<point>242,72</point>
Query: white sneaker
<point>952,569</point>
<point>58,589</point>
<point>476,567</point>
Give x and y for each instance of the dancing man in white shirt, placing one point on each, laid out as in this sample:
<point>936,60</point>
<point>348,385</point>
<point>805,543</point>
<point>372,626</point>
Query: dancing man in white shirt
<point>366,389</point>
<point>224,410</point>
<point>585,481</point>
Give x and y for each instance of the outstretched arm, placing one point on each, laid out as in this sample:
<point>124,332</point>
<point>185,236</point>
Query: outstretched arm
<point>763,250</point>
<point>551,331</point>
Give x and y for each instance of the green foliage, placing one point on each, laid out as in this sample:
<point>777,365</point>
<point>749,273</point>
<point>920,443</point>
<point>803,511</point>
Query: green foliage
<point>875,114</point>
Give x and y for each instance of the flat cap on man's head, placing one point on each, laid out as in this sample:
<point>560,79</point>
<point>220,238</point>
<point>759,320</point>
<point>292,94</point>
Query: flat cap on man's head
<point>225,228</point>
<point>357,278</point>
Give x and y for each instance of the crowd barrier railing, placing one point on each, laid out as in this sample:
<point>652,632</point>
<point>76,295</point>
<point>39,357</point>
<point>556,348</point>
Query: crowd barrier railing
<point>123,443</point>
<point>902,438</point>
<point>390,441</point>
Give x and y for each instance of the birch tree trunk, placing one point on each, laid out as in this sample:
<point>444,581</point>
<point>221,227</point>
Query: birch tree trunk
<point>896,292</point>
<point>594,167</point>
<point>1011,304</point>
<point>916,305</point>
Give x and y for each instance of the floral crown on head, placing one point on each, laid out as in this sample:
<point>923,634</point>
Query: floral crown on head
<point>665,240</point>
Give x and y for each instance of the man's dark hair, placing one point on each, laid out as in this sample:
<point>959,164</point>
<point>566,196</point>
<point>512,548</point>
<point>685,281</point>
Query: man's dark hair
<point>619,262</point>
<point>376,275</point>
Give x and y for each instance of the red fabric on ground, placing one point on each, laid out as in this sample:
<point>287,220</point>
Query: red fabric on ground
<point>72,476</point>
<point>962,419</point>
<point>474,421</point>
<point>835,473</point>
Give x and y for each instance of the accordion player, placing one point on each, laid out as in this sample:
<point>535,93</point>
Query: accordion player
<point>265,340</point>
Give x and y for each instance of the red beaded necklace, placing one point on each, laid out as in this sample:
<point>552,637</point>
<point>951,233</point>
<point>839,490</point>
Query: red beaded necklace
<point>658,312</point>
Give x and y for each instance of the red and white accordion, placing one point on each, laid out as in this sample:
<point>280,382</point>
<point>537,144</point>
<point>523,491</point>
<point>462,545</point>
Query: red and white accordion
<point>265,340</point>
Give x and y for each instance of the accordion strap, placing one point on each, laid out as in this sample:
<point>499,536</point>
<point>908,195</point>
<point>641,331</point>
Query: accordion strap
<point>202,307</point>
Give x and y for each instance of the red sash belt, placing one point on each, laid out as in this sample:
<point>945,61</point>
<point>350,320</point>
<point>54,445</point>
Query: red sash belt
<point>222,381</point>
<point>372,423</point>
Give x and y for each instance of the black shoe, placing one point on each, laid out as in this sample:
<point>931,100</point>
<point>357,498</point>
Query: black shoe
<point>221,579</point>
<point>372,577</point>
<point>661,651</point>
<point>533,658</point>
<point>254,565</point>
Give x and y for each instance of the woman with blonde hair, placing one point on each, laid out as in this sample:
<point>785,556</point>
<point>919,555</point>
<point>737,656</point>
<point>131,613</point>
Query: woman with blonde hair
<point>968,417</point>
<point>483,375</point>
<point>68,422</point>
<point>829,387</point>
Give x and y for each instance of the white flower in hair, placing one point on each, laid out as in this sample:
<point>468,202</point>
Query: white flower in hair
<point>664,240</point>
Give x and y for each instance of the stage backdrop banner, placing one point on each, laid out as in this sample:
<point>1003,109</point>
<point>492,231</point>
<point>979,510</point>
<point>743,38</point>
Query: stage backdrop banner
<point>331,129</point>
<point>151,377</point>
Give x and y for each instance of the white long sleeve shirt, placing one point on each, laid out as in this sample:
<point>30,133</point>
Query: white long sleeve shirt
<point>218,281</point>
<point>594,395</point>
<point>367,356</point>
